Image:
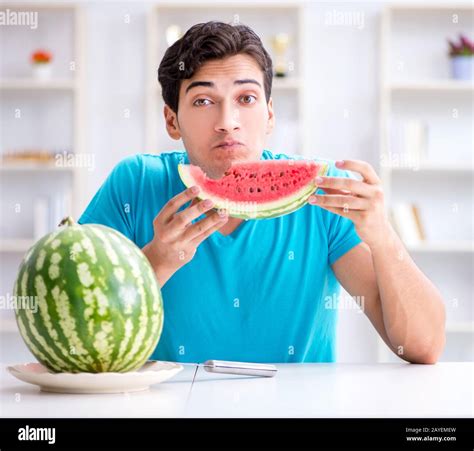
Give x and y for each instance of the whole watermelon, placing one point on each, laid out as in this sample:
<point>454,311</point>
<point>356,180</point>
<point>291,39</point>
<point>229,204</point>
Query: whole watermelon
<point>92,301</point>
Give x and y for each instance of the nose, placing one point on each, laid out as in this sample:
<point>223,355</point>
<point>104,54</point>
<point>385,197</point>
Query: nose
<point>229,119</point>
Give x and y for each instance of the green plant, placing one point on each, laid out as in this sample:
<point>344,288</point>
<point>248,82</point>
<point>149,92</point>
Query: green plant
<point>464,47</point>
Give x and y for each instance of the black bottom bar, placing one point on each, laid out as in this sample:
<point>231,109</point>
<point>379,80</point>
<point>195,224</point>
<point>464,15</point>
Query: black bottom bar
<point>148,433</point>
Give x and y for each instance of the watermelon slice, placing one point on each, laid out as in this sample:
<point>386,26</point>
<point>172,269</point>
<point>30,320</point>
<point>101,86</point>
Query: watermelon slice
<point>257,189</point>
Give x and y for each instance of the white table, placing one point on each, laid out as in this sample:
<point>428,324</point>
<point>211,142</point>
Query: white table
<point>168,399</point>
<point>298,390</point>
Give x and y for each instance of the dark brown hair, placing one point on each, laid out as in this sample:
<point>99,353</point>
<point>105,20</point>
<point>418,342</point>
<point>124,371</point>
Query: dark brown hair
<point>204,42</point>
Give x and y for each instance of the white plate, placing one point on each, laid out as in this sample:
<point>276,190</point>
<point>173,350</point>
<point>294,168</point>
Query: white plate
<point>150,373</point>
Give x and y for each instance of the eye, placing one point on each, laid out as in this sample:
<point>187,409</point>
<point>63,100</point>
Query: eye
<point>200,102</point>
<point>248,99</point>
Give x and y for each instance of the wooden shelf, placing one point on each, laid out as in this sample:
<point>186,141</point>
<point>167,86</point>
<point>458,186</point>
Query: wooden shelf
<point>432,168</point>
<point>432,86</point>
<point>33,166</point>
<point>229,5</point>
<point>461,327</point>
<point>29,5</point>
<point>8,325</point>
<point>447,246</point>
<point>286,83</point>
<point>16,244</point>
<point>431,7</point>
<point>32,84</point>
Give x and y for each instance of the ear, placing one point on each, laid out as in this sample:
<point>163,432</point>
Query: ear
<point>171,120</point>
<point>271,117</point>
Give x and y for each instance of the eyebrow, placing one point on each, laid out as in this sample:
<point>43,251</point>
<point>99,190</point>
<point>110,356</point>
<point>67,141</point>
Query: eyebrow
<point>210,84</point>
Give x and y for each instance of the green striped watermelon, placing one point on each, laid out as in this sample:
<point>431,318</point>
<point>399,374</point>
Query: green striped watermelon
<point>94,302</point>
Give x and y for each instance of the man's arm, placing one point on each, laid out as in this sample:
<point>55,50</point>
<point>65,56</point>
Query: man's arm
<point>400,301</point>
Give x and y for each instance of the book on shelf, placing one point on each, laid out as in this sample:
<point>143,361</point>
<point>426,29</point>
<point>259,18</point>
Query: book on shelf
<point>34,155</point>
<point>407,222</point>
<point>408,144</point>
<point>48,212</point>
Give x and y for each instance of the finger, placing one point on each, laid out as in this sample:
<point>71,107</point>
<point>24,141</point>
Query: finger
<point>183,219</point>
<point>201,227</point>
<point>362,167</point>
<point>349,214</point>
<point>345,184</point>
<point>175,203</point>
<point>335,191</point>
<point>193,202</point>
<point>206,233</point>
<point>338,201</point>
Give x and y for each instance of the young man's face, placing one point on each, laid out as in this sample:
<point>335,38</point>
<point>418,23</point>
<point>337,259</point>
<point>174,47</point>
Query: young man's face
<point>224,101</point>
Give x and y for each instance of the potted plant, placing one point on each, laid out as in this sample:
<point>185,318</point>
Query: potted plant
<point>462,58</point>
<point>41,60</point>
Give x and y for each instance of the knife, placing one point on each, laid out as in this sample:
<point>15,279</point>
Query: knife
<point>231,367</point>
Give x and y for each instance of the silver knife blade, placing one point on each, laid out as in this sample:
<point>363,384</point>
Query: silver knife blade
<point>232,367</point>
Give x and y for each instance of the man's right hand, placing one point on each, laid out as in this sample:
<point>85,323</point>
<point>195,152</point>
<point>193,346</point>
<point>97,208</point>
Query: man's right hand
<point>175,238</point>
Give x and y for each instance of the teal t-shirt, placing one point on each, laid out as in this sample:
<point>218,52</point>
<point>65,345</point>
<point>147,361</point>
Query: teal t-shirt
<point>264,293</point>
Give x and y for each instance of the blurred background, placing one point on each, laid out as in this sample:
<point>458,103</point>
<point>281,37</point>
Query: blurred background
<point>388,83</point>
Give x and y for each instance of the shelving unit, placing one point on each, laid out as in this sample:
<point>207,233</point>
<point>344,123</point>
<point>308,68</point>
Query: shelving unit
<point>414,80</point>
<point>8,326</point>
<point>72,85</point>
<point>450,167</point>
<point>267,19</point>
<point>27,83</point>
<point>33,167</point>
<point>19,245</point>
<point>467,327</point>
<point>436,86</point>
<point>61,30</point>
<point>440,246</point>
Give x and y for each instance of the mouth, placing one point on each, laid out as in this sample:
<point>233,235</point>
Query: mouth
<point>230,148</point>
<point>229,145</point>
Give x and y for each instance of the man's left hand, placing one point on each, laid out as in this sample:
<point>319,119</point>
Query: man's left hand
<point>361,201</point>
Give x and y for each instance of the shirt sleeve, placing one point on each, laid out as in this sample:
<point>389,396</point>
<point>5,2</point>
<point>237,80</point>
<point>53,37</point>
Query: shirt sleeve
<point>114,204</point>
<point>342,236</point>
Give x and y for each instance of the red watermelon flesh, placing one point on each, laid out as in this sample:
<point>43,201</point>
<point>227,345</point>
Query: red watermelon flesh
<point>258,189</point>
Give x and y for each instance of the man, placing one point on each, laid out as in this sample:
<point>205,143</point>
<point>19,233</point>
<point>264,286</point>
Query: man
<point>258,290</point>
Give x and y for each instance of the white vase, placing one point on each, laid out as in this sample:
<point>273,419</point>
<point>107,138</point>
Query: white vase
<point>42,71</point>
<point>462,67</point>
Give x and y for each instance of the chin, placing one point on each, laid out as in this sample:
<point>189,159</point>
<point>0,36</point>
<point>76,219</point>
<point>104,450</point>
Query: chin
<point>233,153</point>
<point>220,160</point>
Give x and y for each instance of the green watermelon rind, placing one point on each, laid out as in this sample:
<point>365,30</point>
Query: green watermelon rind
<point>291,204</point>
<point>55,352</point>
